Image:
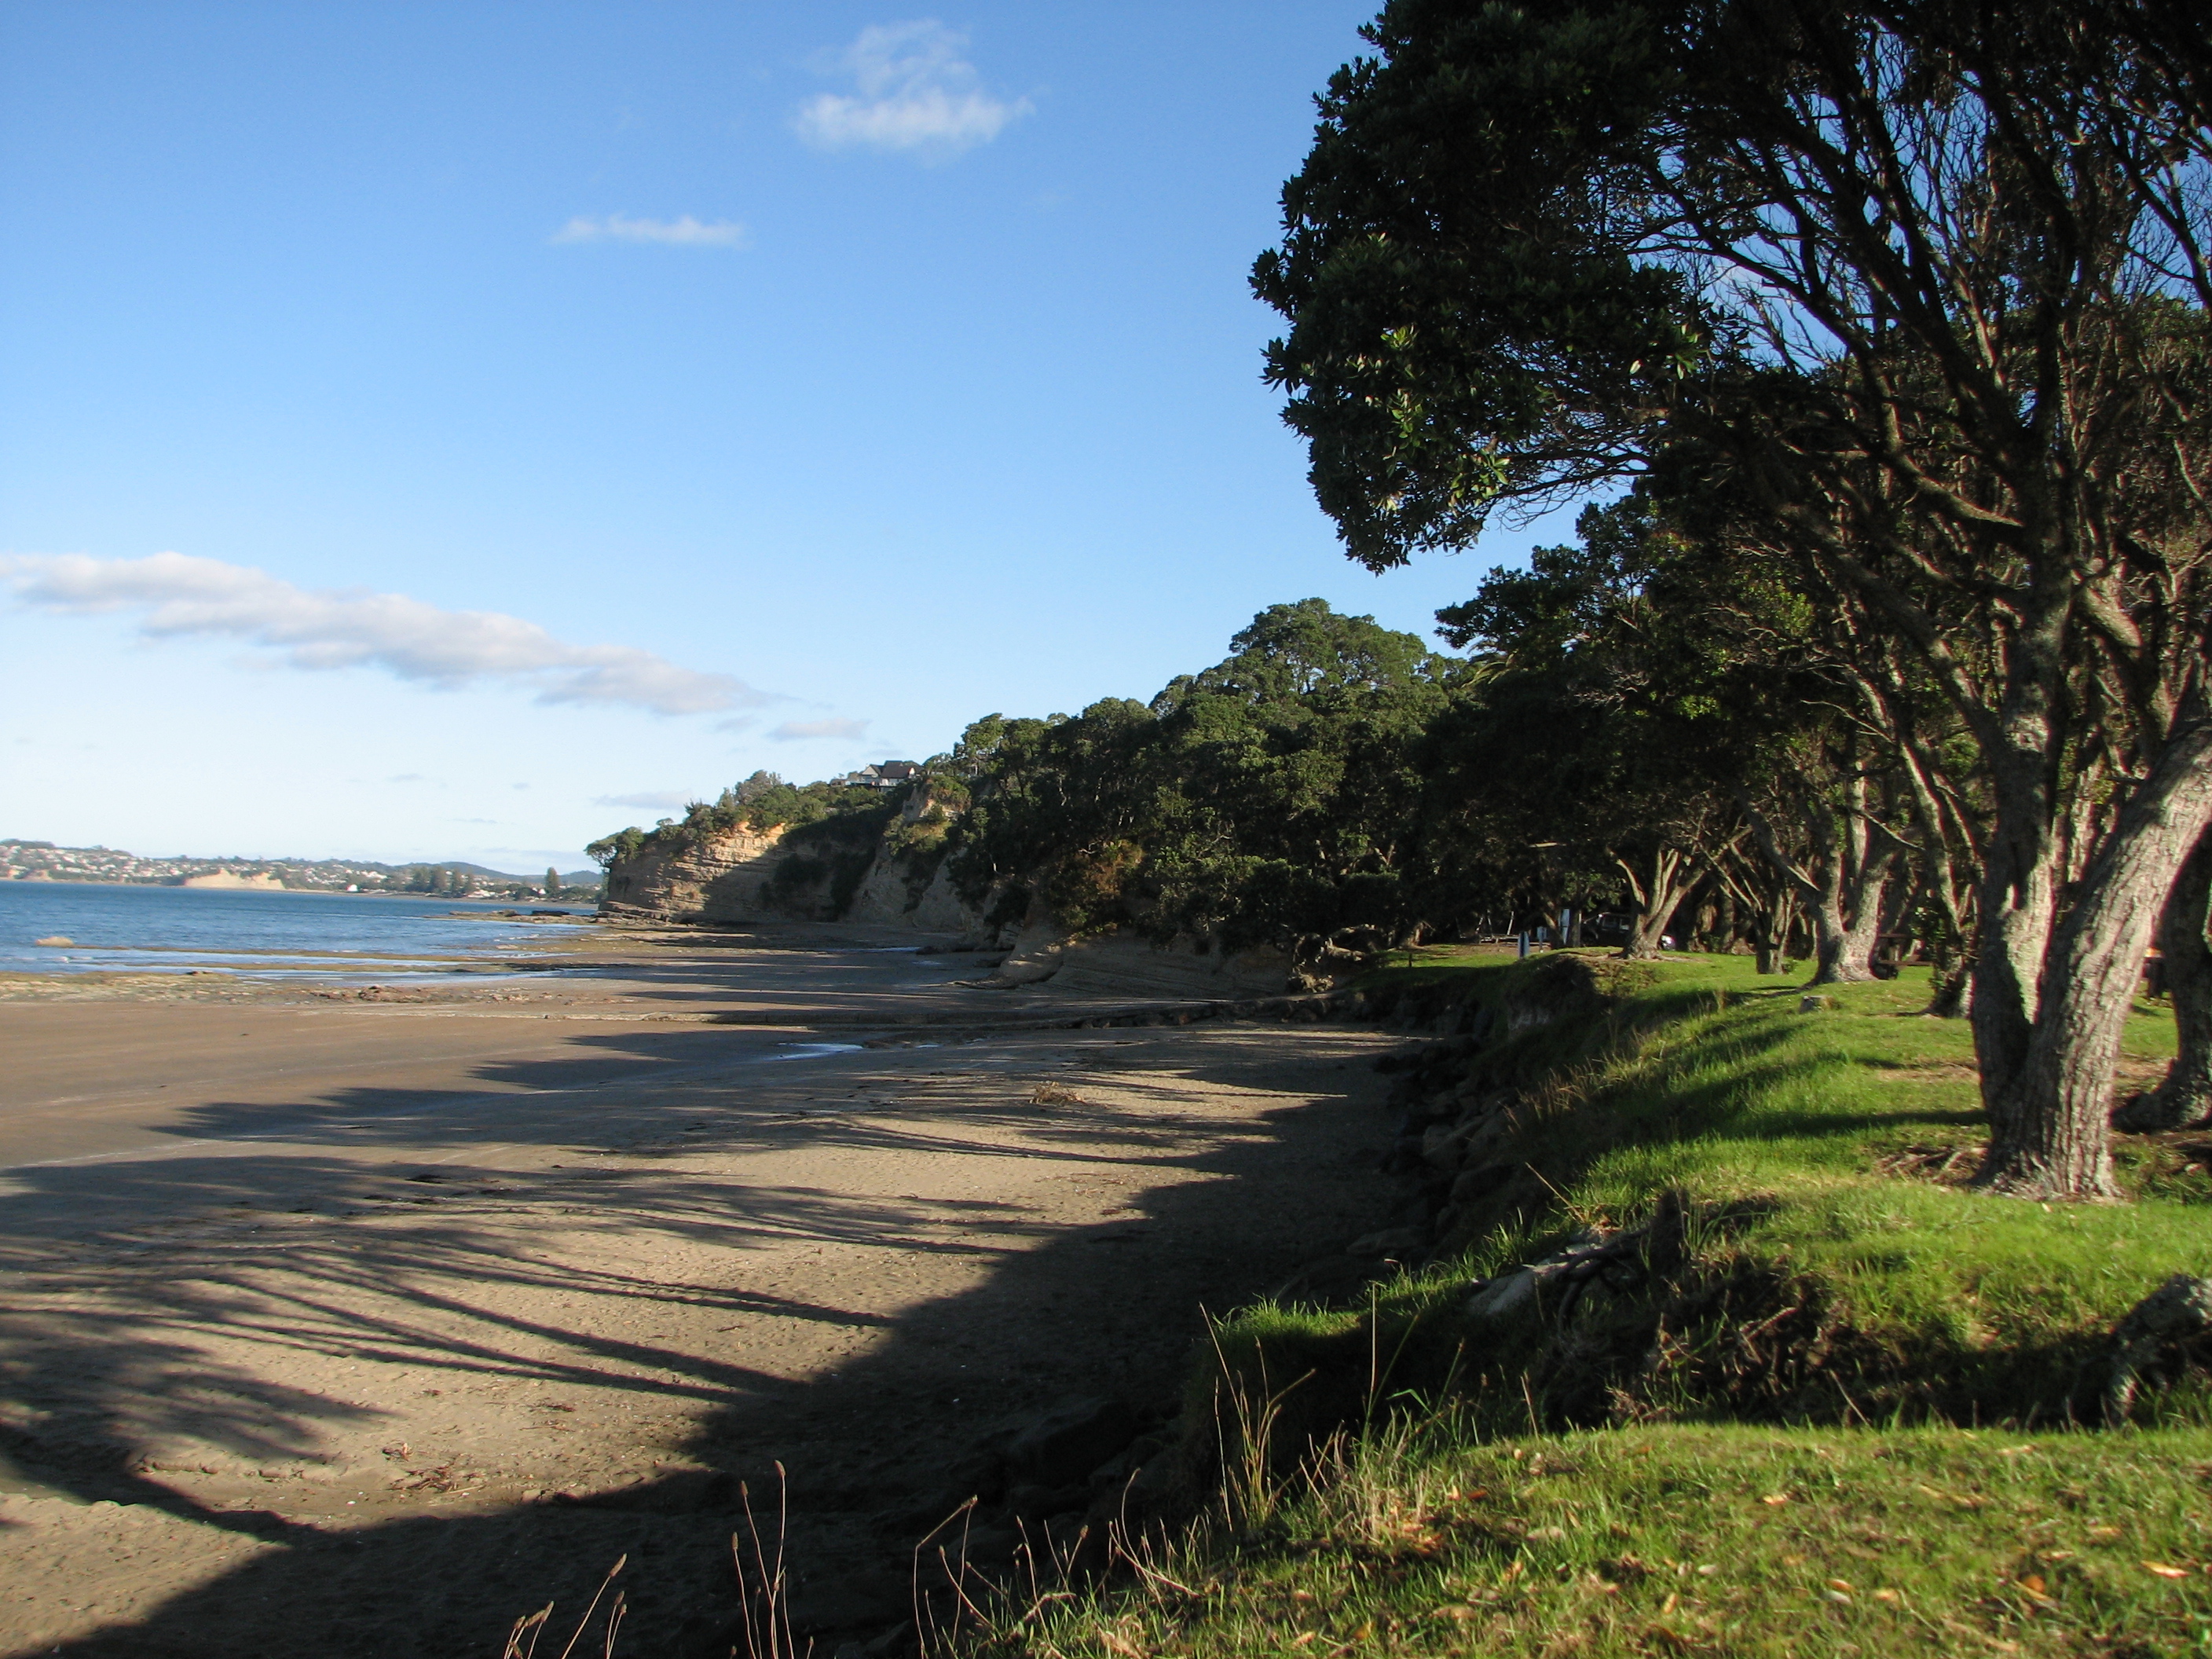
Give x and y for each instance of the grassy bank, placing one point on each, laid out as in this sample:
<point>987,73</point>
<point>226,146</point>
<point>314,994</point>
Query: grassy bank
<point>1694,1538</point>
<point>1808,1393</point>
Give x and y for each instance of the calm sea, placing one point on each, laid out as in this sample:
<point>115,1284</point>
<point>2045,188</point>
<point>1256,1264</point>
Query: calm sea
<point>318,936</point>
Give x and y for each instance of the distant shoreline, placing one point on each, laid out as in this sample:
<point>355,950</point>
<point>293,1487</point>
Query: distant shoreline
<point>581,906</point>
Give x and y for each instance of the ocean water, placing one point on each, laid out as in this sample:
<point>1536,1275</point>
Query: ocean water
<point>339,937</point>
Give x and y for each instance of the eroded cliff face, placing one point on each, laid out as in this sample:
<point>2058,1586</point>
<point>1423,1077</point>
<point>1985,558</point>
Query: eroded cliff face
<point>909,891</point>
<point>741,875</point>
<point>745,876</point>
<point>720,878</point>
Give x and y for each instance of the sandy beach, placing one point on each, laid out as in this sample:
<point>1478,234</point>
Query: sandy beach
<point>360,1322</point>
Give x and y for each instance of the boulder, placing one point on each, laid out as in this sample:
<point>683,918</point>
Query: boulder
<point>851,1601</point>
<point>1479,1182</point>
<point>1443,1146</point>
<point>1060,1446</point>
<point>1035,1502</point>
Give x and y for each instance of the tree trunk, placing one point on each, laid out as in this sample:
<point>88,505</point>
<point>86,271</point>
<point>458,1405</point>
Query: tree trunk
<point>1771,948</point>
<point>1845,949</point>
<point>1951,975</point>
<point>1658,889</point>
<point>2051,993</point>
<point>2184,1097</point>
<point>1841,892</point>
<point>1953,950</point>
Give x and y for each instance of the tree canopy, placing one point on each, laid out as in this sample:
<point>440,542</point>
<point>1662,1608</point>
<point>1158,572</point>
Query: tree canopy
<point>1903,303</point>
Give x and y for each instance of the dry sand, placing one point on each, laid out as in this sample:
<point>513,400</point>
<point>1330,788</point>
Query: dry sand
<point>361,1324</point>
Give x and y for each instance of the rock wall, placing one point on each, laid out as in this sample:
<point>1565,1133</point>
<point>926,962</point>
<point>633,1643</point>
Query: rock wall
<point>719,879</point>
<point>888,898</point>
<point>732,877</point>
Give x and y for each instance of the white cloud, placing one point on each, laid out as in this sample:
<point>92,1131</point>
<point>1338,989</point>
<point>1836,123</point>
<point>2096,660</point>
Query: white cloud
<point>326,629</point>
<point>656,799</point>
<point>916,92</point>
<point>814,731</point>
<point>686,232</point>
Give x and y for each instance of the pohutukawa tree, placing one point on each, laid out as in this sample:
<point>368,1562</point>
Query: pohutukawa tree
<point>1926,282</point>
<point>2183,1096</point>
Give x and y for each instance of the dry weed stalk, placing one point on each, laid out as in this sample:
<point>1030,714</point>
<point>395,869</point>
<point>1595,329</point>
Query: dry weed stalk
<point>924,1611</point>
<point>532,1626</point>
<point>764,1614</point>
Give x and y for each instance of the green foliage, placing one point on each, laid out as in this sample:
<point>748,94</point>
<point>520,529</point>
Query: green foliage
<point>1904,304</point>
<point>1269,798</point>
<point>610,850</point>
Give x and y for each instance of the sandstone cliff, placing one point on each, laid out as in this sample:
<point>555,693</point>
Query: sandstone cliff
<point>896,875</point>
<point>817,874</point>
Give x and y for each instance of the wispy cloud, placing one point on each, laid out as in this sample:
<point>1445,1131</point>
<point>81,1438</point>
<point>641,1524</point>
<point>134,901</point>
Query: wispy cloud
<point>656,799</point>
<point>323,629</point>
<point>686,232</point>
<point>816,730</point>
<point>915,91</point>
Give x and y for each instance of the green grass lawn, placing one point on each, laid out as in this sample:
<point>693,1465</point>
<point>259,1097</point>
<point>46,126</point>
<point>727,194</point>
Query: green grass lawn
<point>1827,1153</point>
<point>1902,1476</point>
<point>1695,1539</point>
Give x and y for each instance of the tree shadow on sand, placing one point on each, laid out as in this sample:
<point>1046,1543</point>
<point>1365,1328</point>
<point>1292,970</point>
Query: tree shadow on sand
<point>356,1260</point>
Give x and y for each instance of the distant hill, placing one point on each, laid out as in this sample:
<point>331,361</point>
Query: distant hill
<point>42,861</point>
<point>569,877</point>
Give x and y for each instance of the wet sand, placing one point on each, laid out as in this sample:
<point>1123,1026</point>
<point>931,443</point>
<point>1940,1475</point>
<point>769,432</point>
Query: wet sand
<point>363,1322</point>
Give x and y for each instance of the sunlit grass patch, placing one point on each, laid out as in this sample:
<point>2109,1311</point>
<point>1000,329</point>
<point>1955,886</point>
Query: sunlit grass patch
<point>1822,1158</point>
<point>1699,1539</point>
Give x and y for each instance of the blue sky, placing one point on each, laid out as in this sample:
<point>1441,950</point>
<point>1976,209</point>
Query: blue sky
<point>449,430</point>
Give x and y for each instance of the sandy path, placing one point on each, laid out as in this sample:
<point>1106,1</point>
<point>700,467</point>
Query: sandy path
<point>304,1351</point>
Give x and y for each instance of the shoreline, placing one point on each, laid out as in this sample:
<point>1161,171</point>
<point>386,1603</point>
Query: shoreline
<point>41,883</point>
<point>120,956</point>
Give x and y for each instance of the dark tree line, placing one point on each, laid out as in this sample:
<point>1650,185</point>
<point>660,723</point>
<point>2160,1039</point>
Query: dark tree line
<point>1895,313</point>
